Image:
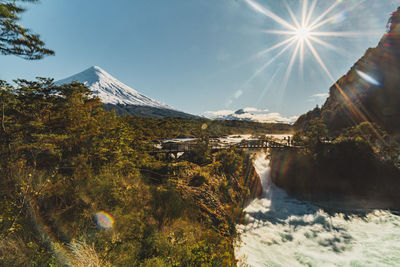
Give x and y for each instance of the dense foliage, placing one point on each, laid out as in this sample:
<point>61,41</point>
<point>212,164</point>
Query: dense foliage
<point>63,159</point>
<point>152,129</point>
<point>14,38</point>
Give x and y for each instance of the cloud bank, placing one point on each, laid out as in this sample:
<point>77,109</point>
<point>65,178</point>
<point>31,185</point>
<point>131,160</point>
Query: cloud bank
<point>318,97</point>
<point>250,114</point>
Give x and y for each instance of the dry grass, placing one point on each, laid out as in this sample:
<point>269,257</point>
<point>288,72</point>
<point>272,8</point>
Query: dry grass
<point>14,252</point>
<point>84,255</point>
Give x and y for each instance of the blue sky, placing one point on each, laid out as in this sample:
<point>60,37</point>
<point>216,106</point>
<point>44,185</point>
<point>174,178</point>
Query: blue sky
<point>198,55</point>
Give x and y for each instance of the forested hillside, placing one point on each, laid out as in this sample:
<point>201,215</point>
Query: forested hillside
<point>78,190</point>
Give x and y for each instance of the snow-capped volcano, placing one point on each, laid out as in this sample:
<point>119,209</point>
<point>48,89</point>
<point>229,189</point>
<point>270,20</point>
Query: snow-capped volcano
<point>112,91</point>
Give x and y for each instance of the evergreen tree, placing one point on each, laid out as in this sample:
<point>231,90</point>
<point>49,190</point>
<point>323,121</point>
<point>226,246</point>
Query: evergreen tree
<point>14,38</point>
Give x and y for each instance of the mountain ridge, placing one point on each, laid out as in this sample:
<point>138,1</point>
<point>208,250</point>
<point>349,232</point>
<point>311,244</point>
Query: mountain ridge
<point>110,90</point>
<point>121,98</point>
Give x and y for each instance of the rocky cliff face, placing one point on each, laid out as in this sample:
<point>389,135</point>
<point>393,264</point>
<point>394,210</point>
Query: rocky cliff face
<point>370,91</point>
<point>343,172</point>
<point>222,189</point>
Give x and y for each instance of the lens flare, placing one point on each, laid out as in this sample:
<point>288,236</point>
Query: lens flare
<point>368,78</point>
<point>302,31</point>
<point>104,220</point>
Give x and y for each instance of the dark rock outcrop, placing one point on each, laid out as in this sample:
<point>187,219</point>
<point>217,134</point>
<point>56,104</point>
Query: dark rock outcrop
<point>348,170</point>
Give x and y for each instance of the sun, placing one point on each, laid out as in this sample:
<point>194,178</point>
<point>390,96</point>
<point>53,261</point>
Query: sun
<point>302,33</point>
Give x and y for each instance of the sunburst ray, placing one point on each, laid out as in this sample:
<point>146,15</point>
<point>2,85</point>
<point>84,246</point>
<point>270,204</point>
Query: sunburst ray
<point>274,47</point>
<point>303,32</point>
<point>289,9</point>
<point>270,14</point>
<point>290,66</point>
<point>330,46</point>
<point>302,58</point>
<point>317,24</point>
<point>310,12</point>
<point>266,88</point>
<point>344,34</point>
<point>258,71</point>
<point>304,13</point>
<point>326,12</point>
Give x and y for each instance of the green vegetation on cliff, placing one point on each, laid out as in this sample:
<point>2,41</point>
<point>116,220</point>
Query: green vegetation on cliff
<point>64,159</point>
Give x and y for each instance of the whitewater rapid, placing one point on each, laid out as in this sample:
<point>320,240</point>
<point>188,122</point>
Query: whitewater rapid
<point>284,231</point>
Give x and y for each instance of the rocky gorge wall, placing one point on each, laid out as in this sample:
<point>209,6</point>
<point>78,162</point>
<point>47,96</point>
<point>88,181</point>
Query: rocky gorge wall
<point>342,171</point>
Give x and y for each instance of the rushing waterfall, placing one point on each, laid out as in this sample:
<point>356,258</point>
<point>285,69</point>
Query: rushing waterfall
<point>283,231</point>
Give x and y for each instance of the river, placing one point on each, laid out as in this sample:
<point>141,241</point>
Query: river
<point>284,231</point>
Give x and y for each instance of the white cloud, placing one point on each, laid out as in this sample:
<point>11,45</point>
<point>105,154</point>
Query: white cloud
<point>218,113</point>
<point>238,93</point>
<point>322,95</point>
<point>317,97</point>
<point>266,117</point>
<point>252,114</point>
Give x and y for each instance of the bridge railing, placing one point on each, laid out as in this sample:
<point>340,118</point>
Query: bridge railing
<point>248,144</point>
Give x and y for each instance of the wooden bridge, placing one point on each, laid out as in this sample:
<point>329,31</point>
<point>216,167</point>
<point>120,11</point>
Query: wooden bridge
<point>253,144</point>
<point>260,144</point>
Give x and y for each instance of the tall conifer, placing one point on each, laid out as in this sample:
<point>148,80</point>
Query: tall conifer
<point>14,38</point>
